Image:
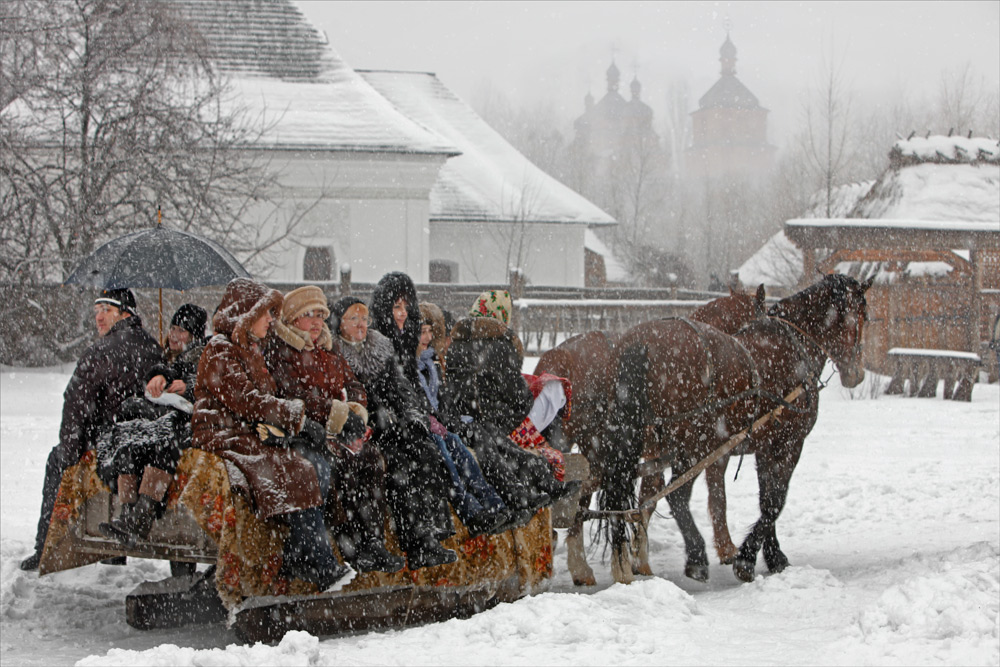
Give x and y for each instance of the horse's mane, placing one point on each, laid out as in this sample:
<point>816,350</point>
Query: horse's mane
<point>837,285</point>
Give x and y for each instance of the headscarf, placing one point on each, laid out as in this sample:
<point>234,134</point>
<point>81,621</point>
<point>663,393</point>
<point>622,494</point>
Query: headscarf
<point>493,303</point>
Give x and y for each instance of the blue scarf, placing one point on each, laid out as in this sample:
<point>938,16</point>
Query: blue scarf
<point>428,375</point>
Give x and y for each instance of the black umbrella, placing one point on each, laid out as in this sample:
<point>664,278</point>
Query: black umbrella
<point>160,258</point>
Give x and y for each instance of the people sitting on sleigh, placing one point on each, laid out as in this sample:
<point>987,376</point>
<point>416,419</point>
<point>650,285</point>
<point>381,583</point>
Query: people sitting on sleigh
<point>416,479</point>
<point>486,399</point>
<point>475,501</point>
<point>304,362</point>
<point>139,455</point>
<point>279,451</point>
<point>109,371</point>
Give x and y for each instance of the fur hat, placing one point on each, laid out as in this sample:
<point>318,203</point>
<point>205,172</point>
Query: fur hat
<point>121,298</point>
<point>243,303</point>
<point>340,307</point>
<point>493,303</point>
<point>192,319</point>
<point>303,300</point>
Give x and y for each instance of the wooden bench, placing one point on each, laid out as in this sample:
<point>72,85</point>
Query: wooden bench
<point>917,372</point>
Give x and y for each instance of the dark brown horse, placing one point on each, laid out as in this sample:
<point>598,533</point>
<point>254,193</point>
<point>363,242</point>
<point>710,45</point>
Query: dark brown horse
<point>590,362</point>
<point>667,396</point>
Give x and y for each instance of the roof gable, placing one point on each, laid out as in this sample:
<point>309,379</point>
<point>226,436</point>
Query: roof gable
<point>490,180</point>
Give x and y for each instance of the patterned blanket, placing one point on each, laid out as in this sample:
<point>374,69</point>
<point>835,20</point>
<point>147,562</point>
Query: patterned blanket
<point>250,550</point>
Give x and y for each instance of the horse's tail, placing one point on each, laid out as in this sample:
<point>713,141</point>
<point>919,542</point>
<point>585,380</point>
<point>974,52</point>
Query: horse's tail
<point>626,428</point>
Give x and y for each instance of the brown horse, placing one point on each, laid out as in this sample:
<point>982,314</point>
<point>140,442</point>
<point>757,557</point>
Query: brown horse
<point>589,361</point>
<point>669,397</point>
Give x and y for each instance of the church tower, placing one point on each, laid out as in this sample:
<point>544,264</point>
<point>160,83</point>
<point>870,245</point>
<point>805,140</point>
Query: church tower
<point>729,128</point>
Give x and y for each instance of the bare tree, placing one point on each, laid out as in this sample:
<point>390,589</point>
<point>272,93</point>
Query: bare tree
<point>111,110</point>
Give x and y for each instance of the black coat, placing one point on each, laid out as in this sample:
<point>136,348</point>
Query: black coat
<point>112,369</point>
<point>391,288</point>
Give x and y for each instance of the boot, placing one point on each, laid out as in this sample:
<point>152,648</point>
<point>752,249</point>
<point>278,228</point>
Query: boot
<point>374,557</point>
<point>134,523</point>
<point>560,490</point>
<point>429,553</point>
<point>488,521</point>
<point>30,564</point>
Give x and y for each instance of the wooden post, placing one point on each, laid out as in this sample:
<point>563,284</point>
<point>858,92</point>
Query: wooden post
<point>975,302</point>
<point>808,266</point>
<point>345,280</point>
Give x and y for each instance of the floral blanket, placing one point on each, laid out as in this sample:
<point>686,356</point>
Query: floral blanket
<point>250,549</point>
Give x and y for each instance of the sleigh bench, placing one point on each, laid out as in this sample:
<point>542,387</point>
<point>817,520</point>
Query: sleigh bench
<point>917,372</point>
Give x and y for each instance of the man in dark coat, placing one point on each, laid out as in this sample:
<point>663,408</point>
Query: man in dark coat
<point>109,371</point>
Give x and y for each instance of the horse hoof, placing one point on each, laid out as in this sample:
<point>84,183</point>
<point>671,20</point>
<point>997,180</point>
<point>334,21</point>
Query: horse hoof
<point>585,581</point>
<point>643,569</point>
<point>744,570</point>
<point>727,560</point>
<point>777,567</point>
<point>697,572</point>
<point>728,557</point>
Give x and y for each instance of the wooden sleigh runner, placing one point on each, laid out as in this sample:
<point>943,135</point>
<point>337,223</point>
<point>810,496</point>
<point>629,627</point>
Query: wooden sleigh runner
<point>206,522</point>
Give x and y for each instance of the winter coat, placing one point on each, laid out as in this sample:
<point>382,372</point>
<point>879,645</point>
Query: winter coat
<point>109,371</point>
<point>234,393</point>
<point>484,376</point>
<point>392,400</point>
<point>182,367</point>
<point>390,288</point>
<point>317,374</point>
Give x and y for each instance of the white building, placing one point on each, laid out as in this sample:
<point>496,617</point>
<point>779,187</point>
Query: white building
<point>390,170</point>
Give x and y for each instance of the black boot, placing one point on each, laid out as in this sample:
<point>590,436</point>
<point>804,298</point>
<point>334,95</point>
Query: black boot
<point>560,490</point>
<point>30,564</point>
<point>134,522</point>
<point>374,557</point>
<point>429,553</point>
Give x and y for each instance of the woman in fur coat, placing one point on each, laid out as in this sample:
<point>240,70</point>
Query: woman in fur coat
<point>305,364</point>
<point>237,416</point>
<point>416,483</point>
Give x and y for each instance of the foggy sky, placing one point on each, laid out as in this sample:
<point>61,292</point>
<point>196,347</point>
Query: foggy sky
<point>555,52</point>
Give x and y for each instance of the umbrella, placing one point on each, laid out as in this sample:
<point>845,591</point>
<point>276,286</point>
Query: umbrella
<point>160,258</point>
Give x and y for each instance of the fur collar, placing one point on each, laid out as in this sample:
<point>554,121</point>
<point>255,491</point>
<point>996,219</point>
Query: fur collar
<point>369,357</point>
<point>301,340</point>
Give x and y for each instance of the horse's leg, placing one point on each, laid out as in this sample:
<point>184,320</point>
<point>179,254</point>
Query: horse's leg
<point>774,472</point>
<point>715,478</point>
<point>650,486</point>
<point>576,557</point>
<point>696,566</point>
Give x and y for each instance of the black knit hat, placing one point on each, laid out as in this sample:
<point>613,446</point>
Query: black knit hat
<point>122,299</point>
<point>337,311</point>
<point>192,319</point>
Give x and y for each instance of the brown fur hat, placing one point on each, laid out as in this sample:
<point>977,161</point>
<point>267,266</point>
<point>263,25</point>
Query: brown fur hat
<point>431,314</point>
<point>243,303</point>
<point>475,328</point>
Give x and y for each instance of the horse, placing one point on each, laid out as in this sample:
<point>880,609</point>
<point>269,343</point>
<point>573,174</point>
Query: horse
<point>682,391</point>
<point>589,361</point>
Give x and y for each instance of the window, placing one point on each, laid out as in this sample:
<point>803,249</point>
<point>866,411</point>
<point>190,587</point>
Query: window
<point>443,271</point>
<point>317,264</point>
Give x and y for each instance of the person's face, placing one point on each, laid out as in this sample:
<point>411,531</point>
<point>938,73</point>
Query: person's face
<point>311,322</point>
<point>106,316</point>
<point>178,337</point>
<point>354,323</point>
<point>399,313</point>
<point>260,327</point>
<point>425,338</point>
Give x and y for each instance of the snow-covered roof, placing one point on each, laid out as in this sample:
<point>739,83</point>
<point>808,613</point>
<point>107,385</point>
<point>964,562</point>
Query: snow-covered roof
<point>490,180</point>
<point>286,76</point>
<point>934,183</point>
<point>615,271</point>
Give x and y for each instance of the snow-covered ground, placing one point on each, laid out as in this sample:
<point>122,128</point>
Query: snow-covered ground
<point>892,527</point>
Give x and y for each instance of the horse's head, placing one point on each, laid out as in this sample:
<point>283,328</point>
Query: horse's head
<point>832,313</point>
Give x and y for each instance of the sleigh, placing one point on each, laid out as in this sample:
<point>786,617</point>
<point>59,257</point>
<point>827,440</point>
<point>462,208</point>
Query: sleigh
<point>208,522</point>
